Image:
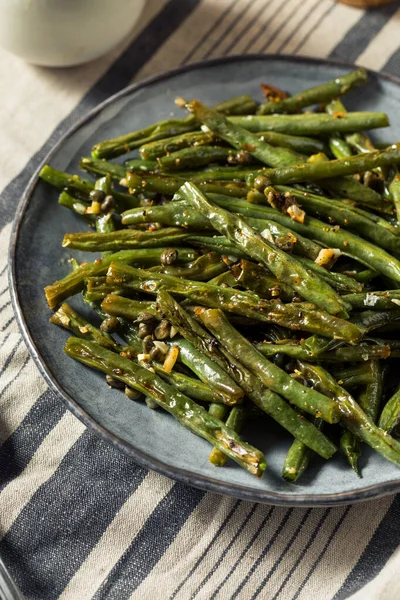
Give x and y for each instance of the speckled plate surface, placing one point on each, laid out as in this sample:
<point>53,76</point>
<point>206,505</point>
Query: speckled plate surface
<point>153,438</point>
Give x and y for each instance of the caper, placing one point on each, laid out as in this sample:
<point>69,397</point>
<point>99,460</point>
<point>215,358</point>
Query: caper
<point>145,329</point>
<point>155,353</point>
<point>162,330</point>
<point>147,344</point>
<point>168,256</point>
<point>261,182</point>
<point>115,383</point>
<point>109,325</point>
<point>97,195</point>
<point>132,394</point>
<point>108,203</point>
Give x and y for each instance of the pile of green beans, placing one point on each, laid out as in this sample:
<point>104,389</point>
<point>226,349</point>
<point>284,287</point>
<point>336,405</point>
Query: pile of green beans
<point>248,266</point>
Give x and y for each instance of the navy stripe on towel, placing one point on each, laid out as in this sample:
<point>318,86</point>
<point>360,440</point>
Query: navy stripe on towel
<point>152,541</point>
<point>381,547</point>
<point>19,448</point>
<point>362,33</point>
<point>74,506</point>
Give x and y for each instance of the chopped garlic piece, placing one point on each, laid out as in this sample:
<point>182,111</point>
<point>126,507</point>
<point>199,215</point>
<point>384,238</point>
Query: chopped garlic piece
<point>327,257</point>
<point>267,235</point>
<point>296,213</point>
<point>371,299</point>
<point>162,346</point>
<point>171,359</point>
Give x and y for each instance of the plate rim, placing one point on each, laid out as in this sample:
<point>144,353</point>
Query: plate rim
<point>142,458</point>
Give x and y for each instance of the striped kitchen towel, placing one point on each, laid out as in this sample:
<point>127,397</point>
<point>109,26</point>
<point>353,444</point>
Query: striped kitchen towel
<point>78,520</point>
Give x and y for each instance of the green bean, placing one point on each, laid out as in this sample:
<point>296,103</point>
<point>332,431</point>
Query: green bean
<point>216,174</point>
<point>81,188</point>
<point>386,300</point>
<point>218,244</point>
<point>185,410</point>
<point>270,375</point>
<point>192,387</point>
<point>97,289</point>
<point>369,320</point>
<point>241,139</point>
<point>102,167</point>
<point>296,349</point>
<point>333,168</point>
<point>191,158</point>
<point>169,185</point>
<point>164,129</point>
<point>367,224</point>
<point>246,304</point>
<point>123,239</point>
<point>263,397</point>
<point>303,246</point>
<point>350,188</point>
<point>283,266</point>
<point>77,206</point>
<point>153,150</point>
<point>61,180</point>
<point>235,422</point>
<point>73,282</point>
<point>390,416</point>
<point>364,276</point>
<point>192,332</point>
<point>140,164</point>
<point>338,281</point>
<point>175,214</point>
<point>297,143</point>
<point>301,144</point>
<point>353,417</point>
<point>209,372</point>
<point>394,189</point>
<point>298,458</point>
<point>339,147</point>
<point>316,95</point>
<point>370,398</point>
<point>350,446</point>
<point>218,410</point>
<point>309,124</point>
<point>354,375</point>
<point>178,214</point>
<point>361,143</point>
<point>126,307</point>
<point>332,237</point>
<point>204,268</point>
<point>68,318</point>
<point>124,143</point>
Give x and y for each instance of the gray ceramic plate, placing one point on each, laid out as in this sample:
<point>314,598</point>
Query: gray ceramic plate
<point>152,438</point>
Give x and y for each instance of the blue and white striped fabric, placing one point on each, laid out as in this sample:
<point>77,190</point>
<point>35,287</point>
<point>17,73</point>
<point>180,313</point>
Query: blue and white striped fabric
<point>78,520</point>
